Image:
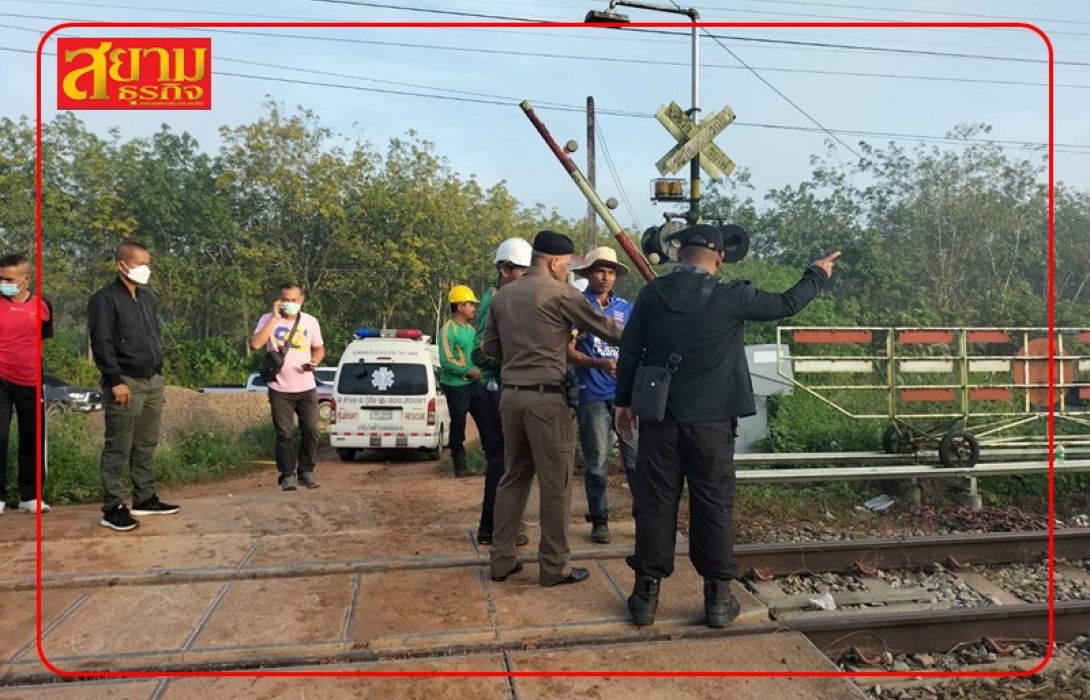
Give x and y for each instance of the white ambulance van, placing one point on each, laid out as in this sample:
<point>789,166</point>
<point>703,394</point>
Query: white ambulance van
<point>387,395</point>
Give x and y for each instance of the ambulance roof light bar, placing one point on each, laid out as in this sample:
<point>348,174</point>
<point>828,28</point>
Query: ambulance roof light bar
<point>410,333</point>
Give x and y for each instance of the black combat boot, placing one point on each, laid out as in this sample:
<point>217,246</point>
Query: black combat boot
<point>720,605</point>
<point>644,600</point>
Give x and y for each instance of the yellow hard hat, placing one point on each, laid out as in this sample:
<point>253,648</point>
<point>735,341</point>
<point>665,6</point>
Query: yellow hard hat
<point>462,293</point>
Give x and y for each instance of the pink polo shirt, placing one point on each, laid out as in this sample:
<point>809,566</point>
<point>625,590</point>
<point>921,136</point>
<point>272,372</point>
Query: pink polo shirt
<point>293,378</point>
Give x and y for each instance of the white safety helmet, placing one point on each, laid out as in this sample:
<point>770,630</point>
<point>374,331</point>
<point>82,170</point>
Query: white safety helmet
<point>515,251</point>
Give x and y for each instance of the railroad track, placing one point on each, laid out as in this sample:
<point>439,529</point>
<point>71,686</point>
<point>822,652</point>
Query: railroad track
<point>904,621</point>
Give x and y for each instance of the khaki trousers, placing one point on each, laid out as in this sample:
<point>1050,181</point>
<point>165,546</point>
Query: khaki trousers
<point>539,436</point>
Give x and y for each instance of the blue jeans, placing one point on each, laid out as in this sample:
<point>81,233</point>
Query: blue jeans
<point>595,433</point>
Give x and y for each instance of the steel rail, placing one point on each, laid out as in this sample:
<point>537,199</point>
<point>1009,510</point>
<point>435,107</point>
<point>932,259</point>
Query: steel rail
<point>939,631</point>
<point>782,558</point>
<point>773,558</point>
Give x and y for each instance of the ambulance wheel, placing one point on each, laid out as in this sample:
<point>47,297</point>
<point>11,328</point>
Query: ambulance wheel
<point>959,448</point>
<point>347,454</point>
<point>324,411</point>
<point>436,453</point>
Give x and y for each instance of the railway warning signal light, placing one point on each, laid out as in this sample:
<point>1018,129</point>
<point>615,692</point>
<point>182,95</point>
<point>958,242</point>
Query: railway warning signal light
<point>660,243</point>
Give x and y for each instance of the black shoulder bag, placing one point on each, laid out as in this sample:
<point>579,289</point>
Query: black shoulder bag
<point>273,361</point>
<point>651,387</point>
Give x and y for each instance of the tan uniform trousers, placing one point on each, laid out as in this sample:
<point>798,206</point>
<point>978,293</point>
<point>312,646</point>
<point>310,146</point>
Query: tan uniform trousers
<point>539,439</point>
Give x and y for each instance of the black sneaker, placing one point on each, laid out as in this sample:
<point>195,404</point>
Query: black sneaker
<point>153,506</point>
<point>118,519</point>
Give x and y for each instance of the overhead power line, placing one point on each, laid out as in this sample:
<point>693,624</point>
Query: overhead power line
<point>950,17</point>
<point>598,36</point>
<point>616,175</point>
<point>907,10</point>
<point>546,105</point>
<point>797,107</point>
<point>653,62</point>
<point>646,30</point>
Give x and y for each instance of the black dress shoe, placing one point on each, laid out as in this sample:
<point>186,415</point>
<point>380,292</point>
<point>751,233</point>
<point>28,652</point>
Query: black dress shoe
<point>517,568</point>
<point>577,575</point>
<point>520,541</point>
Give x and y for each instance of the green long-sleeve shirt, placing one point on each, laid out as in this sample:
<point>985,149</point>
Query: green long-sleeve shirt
<point>456,343</point>
<point>482,321</point>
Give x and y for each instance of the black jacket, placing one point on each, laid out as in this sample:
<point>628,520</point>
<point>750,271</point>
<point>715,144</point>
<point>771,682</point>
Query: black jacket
<point>712,383</point>
<point>125,333</point>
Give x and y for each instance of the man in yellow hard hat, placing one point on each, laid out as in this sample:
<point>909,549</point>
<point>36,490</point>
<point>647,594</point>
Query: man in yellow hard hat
<point>458,376</point>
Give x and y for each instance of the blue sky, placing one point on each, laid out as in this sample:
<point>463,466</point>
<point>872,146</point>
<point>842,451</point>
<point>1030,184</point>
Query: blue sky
<point>996,76</point>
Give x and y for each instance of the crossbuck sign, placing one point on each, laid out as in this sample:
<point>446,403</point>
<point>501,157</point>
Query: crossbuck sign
<point>695,139</point>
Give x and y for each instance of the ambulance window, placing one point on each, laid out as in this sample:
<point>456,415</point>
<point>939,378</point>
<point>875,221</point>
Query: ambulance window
<point>383,378</point>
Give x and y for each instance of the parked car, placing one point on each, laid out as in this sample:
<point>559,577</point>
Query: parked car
<point>324,376</point>
<point>254,383</point>
<point>61,395</point>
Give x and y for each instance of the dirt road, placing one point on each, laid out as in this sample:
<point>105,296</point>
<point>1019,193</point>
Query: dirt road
<point>376,570</point>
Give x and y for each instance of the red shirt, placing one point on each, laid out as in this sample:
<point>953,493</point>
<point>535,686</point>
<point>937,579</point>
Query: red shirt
<point>20,331</point>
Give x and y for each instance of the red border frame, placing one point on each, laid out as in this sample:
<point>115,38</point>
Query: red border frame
<point>595,674</point>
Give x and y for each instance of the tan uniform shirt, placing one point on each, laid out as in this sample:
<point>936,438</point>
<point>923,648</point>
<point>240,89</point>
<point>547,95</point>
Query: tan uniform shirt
<point>529,326</point>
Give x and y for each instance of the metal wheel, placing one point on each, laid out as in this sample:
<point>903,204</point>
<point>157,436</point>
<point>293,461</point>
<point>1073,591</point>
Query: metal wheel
<point>959,448</point>
<point>894,441</point>
<point>324,411</point>
<point>347,454</point>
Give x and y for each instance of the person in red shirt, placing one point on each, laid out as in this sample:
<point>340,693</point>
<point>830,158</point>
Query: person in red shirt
<point>23,318</point>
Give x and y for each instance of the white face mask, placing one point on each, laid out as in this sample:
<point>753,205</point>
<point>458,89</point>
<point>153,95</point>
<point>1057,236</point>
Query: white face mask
<point>139,274</point>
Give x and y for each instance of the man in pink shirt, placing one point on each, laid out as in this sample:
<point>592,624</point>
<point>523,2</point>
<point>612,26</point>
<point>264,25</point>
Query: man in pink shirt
<point>294,391</point>
<point>20,328</point>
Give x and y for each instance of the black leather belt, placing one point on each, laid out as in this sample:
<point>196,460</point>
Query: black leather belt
<point>542,388</point>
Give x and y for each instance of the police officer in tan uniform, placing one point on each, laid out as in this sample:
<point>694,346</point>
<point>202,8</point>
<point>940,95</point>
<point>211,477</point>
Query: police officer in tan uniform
<point>529,328</point>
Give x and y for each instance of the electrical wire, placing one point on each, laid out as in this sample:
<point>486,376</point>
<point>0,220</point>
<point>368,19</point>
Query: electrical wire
<point>644,30</point>
<point>717,66</point>
<point>798,108</point>
<point>502,101</point>
<point>553,33</point>
<point>616,174</point>
<point>915,11</point>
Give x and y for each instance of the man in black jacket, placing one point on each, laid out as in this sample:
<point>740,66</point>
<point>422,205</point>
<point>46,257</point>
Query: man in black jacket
<point>125,340</point>
<point>708,392</point>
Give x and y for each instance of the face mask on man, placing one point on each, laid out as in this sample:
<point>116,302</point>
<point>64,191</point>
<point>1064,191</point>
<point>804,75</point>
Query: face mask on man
<point>9,289</point>
<point>291,307</point>
<point>139,274</point>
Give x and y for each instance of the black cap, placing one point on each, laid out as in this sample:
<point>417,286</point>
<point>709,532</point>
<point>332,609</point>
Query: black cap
<point>700,236</point>
<point>552,243</point>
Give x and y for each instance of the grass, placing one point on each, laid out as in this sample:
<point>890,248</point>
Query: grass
<point>474,460</point>
<point>190,458</point>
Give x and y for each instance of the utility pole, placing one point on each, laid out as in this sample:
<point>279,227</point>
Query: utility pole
<point>592,217</point>
<point>693,216</point>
